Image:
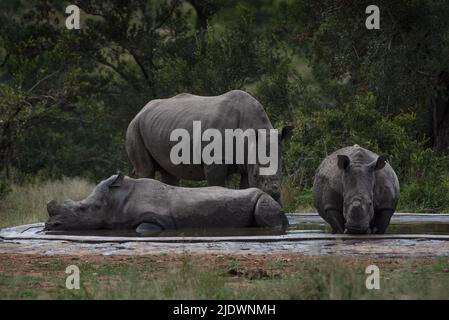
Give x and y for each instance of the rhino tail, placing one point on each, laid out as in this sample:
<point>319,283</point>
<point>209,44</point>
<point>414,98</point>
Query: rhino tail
<point>268,213</point>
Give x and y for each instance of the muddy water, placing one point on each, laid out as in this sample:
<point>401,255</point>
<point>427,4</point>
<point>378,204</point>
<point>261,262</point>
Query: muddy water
<point>172,233</point>
<point>297,226</point>
<point>409,235</point>
<point>398,228</point>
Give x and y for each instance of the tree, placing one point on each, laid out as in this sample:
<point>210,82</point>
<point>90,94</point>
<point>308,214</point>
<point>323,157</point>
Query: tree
<point>67,96</point>
<point>404,63</point>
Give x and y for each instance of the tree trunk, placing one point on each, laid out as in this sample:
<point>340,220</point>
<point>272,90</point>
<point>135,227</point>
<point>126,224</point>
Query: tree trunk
<point>201,15</point>
<point>440,117</point>
<point>441,128</point>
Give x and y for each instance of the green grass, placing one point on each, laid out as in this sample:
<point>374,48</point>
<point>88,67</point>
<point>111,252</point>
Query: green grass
<point>27,203</point>
<point>148,278</point>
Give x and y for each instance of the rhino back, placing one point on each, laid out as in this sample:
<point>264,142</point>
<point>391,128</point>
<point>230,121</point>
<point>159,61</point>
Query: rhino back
<point>179,207</point>
<point>157,120</point>
<point>214,207</point>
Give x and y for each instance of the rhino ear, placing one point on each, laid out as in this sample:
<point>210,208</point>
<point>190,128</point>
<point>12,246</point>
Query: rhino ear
<point>286,132</point>
<point>117,181</point>
<point>343,162</point>
<point>380,162</point>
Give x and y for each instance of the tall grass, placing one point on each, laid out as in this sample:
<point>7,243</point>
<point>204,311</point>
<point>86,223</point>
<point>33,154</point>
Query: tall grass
<point>27,203</point>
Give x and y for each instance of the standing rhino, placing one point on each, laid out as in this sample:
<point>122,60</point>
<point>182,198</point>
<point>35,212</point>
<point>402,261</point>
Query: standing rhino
<point>356,191</point>
<point>124,203</point>
<point>148,139</point>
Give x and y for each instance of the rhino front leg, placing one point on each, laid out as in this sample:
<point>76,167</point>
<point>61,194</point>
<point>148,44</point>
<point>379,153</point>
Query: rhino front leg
<point>335,219</point>
<point>268,213</point>
<point>216,175</point>
<point>382,220</point>
<point>244,184</point>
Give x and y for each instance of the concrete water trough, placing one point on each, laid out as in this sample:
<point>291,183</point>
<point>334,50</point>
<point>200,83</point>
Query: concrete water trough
<point>408,235</point>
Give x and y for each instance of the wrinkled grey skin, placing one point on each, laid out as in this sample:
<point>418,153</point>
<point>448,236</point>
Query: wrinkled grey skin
<point>356,191</point>
<point>148,138</point>
<point>124,203</point>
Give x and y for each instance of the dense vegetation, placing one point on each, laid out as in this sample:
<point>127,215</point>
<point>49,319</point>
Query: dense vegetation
<point>67,96</point>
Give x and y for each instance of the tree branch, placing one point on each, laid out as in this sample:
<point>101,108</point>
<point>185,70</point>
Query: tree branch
<point>118,71</point>
<point>5,60</point>
<point>167,16</point>
<point>42,80</point>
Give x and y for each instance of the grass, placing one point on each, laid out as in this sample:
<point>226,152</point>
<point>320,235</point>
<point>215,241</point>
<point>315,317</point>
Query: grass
<point>222,277</point>
<point>27,203</point>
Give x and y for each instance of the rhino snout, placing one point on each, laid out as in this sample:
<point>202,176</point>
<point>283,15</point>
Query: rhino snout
<point>357,213</point>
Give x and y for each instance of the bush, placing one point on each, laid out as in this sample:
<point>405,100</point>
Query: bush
<point>426,187</point>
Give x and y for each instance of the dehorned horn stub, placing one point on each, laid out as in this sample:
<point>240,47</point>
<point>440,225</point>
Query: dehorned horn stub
<point>117,181</point>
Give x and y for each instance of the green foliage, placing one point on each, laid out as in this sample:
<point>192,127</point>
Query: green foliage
<point>66,97</point>
<point>427,186</point>
<point>404,63</point>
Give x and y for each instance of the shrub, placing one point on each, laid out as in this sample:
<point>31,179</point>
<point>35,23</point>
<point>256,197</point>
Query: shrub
<point>426,187</point>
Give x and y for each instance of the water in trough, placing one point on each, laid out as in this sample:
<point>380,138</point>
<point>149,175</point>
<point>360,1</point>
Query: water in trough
<point>430,225</point>
<point>409,235</point>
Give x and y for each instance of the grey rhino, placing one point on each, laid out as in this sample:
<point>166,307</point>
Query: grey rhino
<point>121,202</point>
<point>356,191</point>
<point>148,138</point>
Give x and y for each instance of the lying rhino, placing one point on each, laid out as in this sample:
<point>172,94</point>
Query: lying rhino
<point>124,203</point>
<point>148,139</point>
<point>356,191</point>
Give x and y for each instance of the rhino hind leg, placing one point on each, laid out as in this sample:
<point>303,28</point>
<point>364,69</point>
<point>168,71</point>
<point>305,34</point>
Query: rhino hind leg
<point>140,158</point>
<point>381,220</point>
<point>216,174</point>
<point>268,213</point>
<point>335,219</point>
